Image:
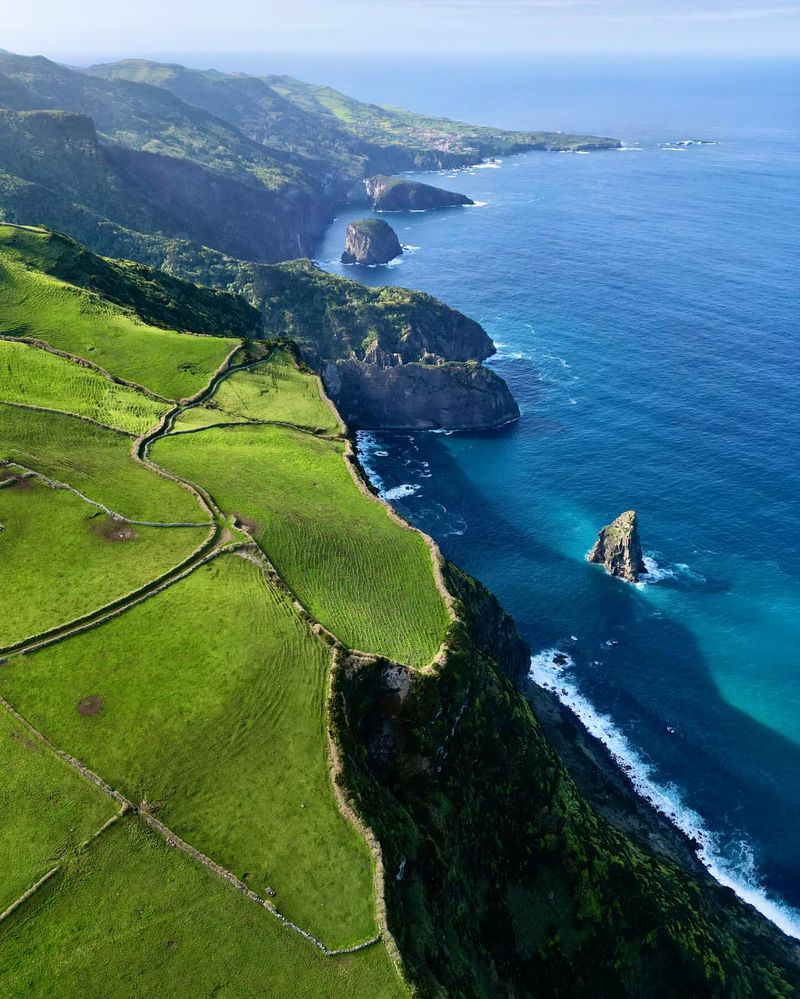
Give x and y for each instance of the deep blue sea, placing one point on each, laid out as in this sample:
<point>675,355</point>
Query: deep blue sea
<point>646,308</point>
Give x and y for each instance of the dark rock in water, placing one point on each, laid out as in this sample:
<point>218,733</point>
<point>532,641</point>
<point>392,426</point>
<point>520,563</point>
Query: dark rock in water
<point>452,396</point>
<point>396,194</point>
<point>619,549</point>
<point>370,241</point>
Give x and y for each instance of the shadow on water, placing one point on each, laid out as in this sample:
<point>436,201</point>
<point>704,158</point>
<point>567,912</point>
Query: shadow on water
<point>635,663</point>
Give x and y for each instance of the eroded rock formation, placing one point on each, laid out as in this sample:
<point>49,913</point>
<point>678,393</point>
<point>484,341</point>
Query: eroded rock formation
<point>619,549</point>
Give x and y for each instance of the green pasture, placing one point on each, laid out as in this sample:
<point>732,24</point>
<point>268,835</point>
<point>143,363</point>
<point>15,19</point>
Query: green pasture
<point>61,558</point>
<point>47,810</point>
<point>364,576</point>
<point>71,319</point>
<point>275,390</point>
<point>95,461</point>
<point>134,917</point>
<point>37,378</point>
<point>208,700</point>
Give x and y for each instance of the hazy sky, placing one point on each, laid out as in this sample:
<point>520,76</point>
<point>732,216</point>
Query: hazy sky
<point>80,29</point>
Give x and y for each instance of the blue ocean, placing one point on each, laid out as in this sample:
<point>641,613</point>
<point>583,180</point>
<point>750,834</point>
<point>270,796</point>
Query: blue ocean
<point>645,304</point>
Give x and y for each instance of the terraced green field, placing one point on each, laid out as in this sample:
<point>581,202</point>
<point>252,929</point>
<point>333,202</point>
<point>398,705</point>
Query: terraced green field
<point>95,461</point>
<point>37,378</point>
<point>47,809</point>
<point>272,391</point>
<point>365,577</point>
<point>61,558</point>
<point>33,304</point>
<point>209,701</point>
<point>133,917</point>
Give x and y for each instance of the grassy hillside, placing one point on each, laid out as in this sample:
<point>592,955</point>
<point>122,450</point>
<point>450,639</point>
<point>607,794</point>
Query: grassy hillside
<point>78,321</point>
<point>60,558</point>
<point>365,577</point>
<point>48,811</point>
<point>33,377</point>
<point>95,461</point>
<point>133,917</point>
<point>213,697</point>
<point>273,391</point>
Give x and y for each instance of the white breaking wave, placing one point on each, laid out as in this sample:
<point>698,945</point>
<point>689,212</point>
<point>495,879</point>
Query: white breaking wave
<point>399,492</point>
<point>550,669</point>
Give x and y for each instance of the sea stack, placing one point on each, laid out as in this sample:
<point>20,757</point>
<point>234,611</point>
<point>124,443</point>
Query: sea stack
<point>370,241</point>
<point>619,549</point>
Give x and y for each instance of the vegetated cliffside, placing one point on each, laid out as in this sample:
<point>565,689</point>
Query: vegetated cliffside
<point>155,297</point>
<point>246,166</point>
<point>397,194</point>
<point>389,357</point>
<point>502,880</point>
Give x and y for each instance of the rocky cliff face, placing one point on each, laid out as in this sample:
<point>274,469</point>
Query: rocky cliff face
<point>395,194</point>
<point>619,549</point>
<point>370,241</point>
<point>449,396</point>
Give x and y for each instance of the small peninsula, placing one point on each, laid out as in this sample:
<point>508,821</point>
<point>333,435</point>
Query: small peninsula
<point>396,194</point>
<point>370,242</point>
<point>619,549</point>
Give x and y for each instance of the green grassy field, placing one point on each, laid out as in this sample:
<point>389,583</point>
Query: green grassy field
<point>47,809</point>
<point>212,707</point>
<point>37,378</point>
<point>274,390</point>
<point>61,558</point>
<point>366,578</point>
<point>135,918</point>
<point>33,304</point>
<point>95,461</point>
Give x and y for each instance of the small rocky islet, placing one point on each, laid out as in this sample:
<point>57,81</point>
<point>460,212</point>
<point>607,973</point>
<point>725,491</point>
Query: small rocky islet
<point>370,242</point>
<point>619,548</point>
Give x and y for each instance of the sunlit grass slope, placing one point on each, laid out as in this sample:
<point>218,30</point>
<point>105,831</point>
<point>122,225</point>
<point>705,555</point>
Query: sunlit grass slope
<point>275,390</point>
<point>47,810</point>
<point>364,576</point>
<point>133,917</point>
<point>77,321</point>
<point>95,461</point>
<point>211,705</point>
<point>37,378</point>
<point>61,558</point>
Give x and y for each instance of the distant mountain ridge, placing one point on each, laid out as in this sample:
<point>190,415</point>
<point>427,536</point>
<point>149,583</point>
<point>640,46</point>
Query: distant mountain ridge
<point>129,156</point>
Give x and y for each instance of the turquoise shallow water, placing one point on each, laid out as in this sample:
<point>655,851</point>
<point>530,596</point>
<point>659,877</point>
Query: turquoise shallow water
<point>645,307</point>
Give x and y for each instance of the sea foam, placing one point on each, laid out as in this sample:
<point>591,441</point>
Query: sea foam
<point>737,873</point>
